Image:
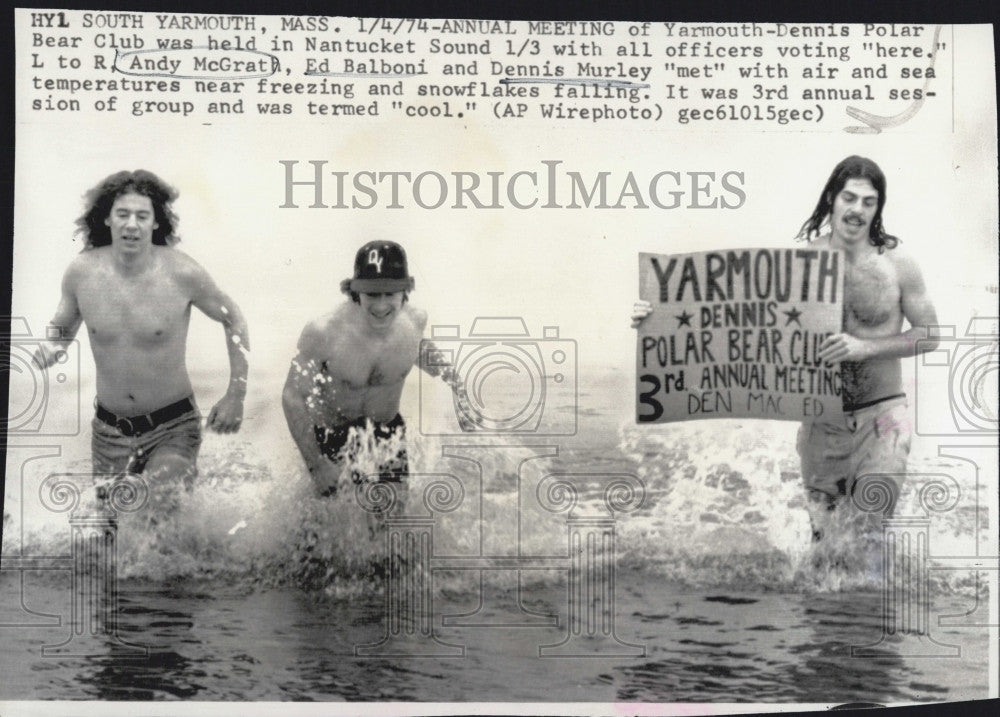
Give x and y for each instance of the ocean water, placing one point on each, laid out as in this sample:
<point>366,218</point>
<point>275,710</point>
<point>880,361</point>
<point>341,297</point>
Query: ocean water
<point>709,590</point>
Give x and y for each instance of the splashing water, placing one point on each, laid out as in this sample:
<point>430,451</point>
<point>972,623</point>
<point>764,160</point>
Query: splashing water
<point>740,522</point>
<point>744,522</point>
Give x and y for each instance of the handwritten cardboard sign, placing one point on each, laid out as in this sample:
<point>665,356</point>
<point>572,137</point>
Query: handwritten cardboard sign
<point>735,333</point>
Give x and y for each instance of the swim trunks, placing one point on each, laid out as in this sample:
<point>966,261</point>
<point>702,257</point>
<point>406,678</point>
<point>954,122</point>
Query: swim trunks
<point>873,437</point>
<point>344,442</point>
<point>125,445</point>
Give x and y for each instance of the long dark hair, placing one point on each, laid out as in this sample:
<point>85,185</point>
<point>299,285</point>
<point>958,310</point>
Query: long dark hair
<point>99,200</point>
<point>854,167</point>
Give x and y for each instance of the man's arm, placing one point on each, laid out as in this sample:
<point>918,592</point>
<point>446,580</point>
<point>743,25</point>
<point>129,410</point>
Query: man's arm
<point>64,325</point>
<point>298,399</point>
<point>436,366</point>
<point>468,419</point>
<point>227,414</point>
<point>918,310</point>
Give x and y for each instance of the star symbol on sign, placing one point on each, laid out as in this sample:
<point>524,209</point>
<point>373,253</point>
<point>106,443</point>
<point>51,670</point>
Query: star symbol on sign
<point>793,314</point>
<point>684,319</point>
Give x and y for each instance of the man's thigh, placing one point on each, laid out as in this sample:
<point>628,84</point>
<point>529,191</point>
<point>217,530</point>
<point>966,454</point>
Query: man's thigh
<point>169,466</point>
<point>825,451</point>
<point>884,453</point>
<point>170,452</point>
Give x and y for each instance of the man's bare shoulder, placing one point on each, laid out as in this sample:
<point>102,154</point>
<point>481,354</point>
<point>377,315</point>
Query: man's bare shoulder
<point>906,266</point>
<point>181,266</point>
<point>899,256</point>
<point>87,263</point>
<point>416,316</point>
<point>319,333</point>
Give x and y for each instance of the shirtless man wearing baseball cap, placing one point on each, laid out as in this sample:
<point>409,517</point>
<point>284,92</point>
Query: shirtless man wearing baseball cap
<point>349,371</point>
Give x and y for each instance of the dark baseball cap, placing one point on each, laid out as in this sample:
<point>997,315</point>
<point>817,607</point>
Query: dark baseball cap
<point>379,267</point>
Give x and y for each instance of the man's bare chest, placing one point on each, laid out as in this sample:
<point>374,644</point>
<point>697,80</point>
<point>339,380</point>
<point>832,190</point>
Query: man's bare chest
<point>871,295</point>
<point>362,366</point>
<point>141,313</point>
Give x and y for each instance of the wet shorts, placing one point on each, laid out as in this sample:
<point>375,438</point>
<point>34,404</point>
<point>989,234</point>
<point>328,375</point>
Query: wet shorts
<point>874,438</point>
<point>345,442</point>
<point>122,448</point>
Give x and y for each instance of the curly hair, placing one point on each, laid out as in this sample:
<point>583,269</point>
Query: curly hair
<point>854,167</point>
<point>99,200</point>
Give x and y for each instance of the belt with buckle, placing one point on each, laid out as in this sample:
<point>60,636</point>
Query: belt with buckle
<point>852,407</point>
<point>145,423</point>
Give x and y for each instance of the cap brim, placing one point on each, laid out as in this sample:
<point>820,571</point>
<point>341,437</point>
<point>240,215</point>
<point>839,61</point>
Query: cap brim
<point>381,286</point>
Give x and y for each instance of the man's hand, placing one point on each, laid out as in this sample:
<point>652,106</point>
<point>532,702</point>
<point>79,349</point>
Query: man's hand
<point>640,311</point>
<point>843,347</point>
<point>227,415</point>
<point>47,353</point>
